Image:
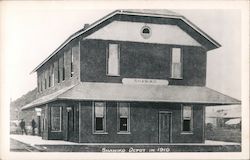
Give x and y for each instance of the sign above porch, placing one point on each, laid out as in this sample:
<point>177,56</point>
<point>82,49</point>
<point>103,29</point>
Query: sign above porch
<point>144,81</point>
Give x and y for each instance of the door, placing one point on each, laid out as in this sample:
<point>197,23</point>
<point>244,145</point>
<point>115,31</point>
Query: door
<point>165,127</point>
<point>70,124</point>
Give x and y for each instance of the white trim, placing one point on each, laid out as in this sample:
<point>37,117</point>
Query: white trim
<point>126,13</point>
<point>99,132</point>
<point>159,125</point>
<point>123,132</point>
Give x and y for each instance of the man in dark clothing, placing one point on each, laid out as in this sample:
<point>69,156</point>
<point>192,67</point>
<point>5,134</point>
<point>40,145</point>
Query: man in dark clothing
<point>22,125</point>
<point>33,124</point>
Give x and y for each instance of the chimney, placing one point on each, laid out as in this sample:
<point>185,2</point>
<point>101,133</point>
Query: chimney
<point>86,25</point>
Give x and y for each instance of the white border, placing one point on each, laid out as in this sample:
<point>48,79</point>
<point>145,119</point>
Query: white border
<point>243,5</point>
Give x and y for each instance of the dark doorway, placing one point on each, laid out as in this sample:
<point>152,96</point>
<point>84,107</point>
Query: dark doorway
<point>165,127</point>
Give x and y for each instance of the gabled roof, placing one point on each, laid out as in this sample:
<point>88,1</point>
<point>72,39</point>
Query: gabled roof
<point>138,93</point>
<point>139,12</point>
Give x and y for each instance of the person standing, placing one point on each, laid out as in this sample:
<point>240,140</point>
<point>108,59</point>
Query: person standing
<point>33,125</point>
<point>22,125</point>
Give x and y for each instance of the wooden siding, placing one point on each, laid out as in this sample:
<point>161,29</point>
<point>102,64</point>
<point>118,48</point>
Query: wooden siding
<point>131,31</point>
<point>144,124</point>
<point>44,70</point>
<point>141,60</point>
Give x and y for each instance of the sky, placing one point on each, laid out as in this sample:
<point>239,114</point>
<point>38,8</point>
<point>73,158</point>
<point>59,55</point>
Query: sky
<point>31,33</point>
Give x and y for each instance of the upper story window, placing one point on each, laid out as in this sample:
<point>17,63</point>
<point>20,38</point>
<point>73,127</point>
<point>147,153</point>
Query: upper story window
<point>51,76</point>
<point>71,64</point>
<point>41,83</point>
<point>45,82</point>
<point>113,60</point>
<point>176,63</point>
<point>146,32</point>
<point>63,68</point>
<point>58,71</point>
<point>187,118</point>
<point>123,117</point>
<point>99,117</point>
<point>38,84</point>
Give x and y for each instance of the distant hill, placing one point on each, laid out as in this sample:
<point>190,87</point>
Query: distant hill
<point>15,106</point>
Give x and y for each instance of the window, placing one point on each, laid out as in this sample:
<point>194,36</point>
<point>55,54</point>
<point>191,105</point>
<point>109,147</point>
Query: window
<point>41,83</point>
<point>63,69</point>
<point>124,117</point>
<point>51,73</point>
<point>56,115</point>
<point>43,124</point>
<point>113,56</point>
<point>71,64</point>
<point>176,66</point>
<point>187,118</point>
<point>49,80</point>
<point>58,71</point>
<point>52,76</point>
<point>146,32</point>
<point>45,83</point>
<point>99,117</point>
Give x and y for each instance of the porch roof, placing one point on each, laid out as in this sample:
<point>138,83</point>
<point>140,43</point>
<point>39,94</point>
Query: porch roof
<point>138,93</point>
<point>46,99</point>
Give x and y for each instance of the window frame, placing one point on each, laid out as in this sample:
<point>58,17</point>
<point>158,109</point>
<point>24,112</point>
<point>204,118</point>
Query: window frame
<point>52,76</point>
<point>119,117</point>
<point>107,60</point>
<point>146,35</point>
<point>60,130</point>
<point>71,63</point>
<point>171,64</point>
<point>94,131</point>
<point>191,120</point>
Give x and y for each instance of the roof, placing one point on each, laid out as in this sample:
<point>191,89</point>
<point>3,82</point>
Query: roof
<point>233,121</point>
<point>46,99</point>
<point>138,12</point>
<point>138,93</point>
<point>226,113</point>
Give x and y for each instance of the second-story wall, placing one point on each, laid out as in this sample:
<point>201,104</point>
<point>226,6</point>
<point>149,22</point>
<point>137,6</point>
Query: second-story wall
<point>142,60</point>
<point>58,72</point>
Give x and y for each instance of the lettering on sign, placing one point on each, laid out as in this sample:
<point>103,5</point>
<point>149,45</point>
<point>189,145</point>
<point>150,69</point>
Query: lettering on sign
<point>134,150</point>
<point>144,81</point>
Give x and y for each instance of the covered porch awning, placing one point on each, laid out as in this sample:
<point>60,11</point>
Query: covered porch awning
<point>138,93</point>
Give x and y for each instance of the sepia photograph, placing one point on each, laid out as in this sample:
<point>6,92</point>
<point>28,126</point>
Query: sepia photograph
<point>137,81</point>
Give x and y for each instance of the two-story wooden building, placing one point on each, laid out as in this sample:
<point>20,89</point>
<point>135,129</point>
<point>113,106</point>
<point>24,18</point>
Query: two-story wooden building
<point>134,76</point>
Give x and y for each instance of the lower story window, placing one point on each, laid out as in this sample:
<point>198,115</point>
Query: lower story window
<point>123,124</point>
<point>124,117</point>
<point>99,123</point>
<point>56,119</point>
<point>187,119</point>
<point>99,117</point>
